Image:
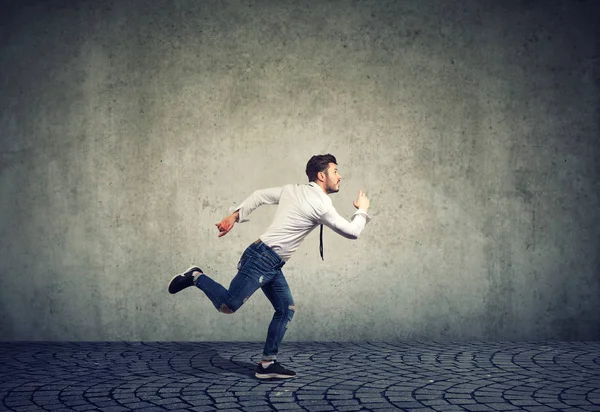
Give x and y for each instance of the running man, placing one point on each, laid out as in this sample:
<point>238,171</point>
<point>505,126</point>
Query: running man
<point>302,207</point>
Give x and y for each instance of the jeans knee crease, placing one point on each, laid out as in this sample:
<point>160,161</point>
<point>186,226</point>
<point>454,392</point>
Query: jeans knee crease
<point>225,309</point>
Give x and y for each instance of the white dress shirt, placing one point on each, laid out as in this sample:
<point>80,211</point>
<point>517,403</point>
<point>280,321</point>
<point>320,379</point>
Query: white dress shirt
<point>302,207</point>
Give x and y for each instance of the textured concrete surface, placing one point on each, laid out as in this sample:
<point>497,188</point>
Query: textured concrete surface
<point>129,128</point>
<point>170,376</point>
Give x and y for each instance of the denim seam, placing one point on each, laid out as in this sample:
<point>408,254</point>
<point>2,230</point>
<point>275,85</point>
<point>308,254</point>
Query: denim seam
<point>282,317</point>
<point>211,297</point>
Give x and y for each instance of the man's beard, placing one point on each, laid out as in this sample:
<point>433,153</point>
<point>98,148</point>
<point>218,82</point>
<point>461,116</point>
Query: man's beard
<point>332,189</point>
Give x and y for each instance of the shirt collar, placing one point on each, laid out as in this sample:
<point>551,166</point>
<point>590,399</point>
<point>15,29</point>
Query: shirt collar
<point>316,186</point>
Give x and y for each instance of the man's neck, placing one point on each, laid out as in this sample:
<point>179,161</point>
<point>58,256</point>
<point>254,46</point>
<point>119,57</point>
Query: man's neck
<point>322,186</point>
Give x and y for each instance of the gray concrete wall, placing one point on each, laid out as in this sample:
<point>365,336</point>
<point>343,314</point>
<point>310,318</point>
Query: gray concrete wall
<point>129,128</point>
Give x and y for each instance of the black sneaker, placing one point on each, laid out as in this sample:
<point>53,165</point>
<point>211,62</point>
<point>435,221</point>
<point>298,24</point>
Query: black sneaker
<point>184,280</point>
<point>274,370</point>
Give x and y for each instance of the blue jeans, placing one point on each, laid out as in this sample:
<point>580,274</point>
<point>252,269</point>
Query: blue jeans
<point>259,267</point>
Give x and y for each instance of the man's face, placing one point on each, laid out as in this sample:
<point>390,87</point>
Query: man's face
<point>332,179</point>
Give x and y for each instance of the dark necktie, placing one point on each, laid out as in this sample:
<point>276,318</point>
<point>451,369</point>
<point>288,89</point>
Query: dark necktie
<point>321,245</point>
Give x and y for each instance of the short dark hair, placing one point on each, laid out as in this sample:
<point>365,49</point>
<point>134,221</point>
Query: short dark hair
<point>318,163</point>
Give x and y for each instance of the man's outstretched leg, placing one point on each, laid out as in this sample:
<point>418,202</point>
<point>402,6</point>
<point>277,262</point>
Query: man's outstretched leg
<point>224,300</point>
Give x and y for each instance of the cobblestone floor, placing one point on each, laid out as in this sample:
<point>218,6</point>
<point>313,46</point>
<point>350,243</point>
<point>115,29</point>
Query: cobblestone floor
<point>416,376</point>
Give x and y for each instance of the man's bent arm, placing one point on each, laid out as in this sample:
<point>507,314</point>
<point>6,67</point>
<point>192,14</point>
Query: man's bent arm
<point>341,226</point>
<point>260,197</point>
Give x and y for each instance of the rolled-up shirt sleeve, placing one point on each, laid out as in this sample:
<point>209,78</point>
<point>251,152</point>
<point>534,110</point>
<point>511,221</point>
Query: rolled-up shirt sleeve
<point>341,226</point>
<point>258,197</point>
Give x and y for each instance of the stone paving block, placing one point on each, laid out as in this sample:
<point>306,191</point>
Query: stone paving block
<point>84,407</point>
<point>310,397</point>
<point>487,400</point>
<point>457,396</point>
<point>548,401</point>
<point>380,404</point>
<point>525,402</point>
<point>114,409</point>
<point>477,408</point>
<point>201,409</point>
<point>310,402</point>
<point>256,409</point>
<point>345,402</point>
<point>138,405</point>
<point>14,403</point>
<point>284,399</point>
<point>461,401</point>
<point>501,406</point>
<point>198,400</point>
<point>174,406</point>
<point>340,397</point>
<point>223,399</point>
<point>429,397</point>
<point>25,408</point>
<point>393,398</point>
<point>447,408</point>
<point>286,406</point>
<point>227,405</point>
<point>62,410</point>
<point>166,401</point>
<point>435,402</point>
<point>488,393</point>
<point>349,408</point>
<point>150,398</point>
<point>72,403</point>
<point>581,402</point>
<point>371,400</point>
<point>251,403</point>
<point>407,405</point>
<point>319,408</point>
<point>106,404</point>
